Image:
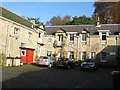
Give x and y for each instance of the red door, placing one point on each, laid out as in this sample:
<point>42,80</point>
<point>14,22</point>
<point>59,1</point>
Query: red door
<point>27,56</point>
<point>30,54</point>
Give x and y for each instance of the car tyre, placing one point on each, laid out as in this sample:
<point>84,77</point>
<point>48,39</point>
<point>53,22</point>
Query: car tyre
<point>50,65</point>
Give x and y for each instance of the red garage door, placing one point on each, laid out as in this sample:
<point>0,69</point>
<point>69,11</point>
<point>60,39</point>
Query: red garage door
<point>30,56</point>
<point>27,55</point>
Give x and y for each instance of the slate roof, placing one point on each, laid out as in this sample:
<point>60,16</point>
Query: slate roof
<point>92,29</point>
<point>11,16</point>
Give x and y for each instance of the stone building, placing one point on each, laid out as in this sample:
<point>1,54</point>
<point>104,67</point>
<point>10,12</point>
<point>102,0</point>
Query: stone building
<point>20,37</point>
<point>84,41</point>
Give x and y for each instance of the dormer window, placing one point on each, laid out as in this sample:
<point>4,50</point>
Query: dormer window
<point>103,35</point>
<point>60,37</point>
<point>71,36</point>
<point>84,37</point>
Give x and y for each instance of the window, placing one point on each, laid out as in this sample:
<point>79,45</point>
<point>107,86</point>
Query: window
<point>103,57</point>
<point>49,53</point>
<point>83,55</point>
<point>72,55</point>
<point>49,40</point>
<point>84,37</point>
<point>29,35</point>
<point>92,55</point>
<point>71,37</point>
<point>23,53</point>
<point>16,30</point>
<point>103,37</point>
<point>39,35</point>
<point>60,37</point>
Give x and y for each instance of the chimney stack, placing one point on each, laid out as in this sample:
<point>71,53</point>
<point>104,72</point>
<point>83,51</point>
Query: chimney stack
<point>32,20</point>
<point>98,22</point>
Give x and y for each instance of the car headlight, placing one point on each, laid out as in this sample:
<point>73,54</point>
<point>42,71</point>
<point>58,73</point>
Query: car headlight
<point>81,65</point>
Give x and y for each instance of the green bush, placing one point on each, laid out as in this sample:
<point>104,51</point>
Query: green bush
<point>54,56</point>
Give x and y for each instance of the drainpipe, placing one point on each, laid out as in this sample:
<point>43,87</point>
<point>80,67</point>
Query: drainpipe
<point>117,52</point>
<point>77,48</point>
<point>89,46</point>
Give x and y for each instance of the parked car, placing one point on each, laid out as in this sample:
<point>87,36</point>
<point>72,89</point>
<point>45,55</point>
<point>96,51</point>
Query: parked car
<point>88,64</point>
<point>63,63</point>
<point>45,60</point>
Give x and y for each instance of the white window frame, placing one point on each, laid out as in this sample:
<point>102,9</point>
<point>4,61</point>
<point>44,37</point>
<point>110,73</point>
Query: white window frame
<point>85,37</point>
<point>72,54</point>
<point>105,37</point>
<point>94,53</point>
<point>22,53</point>
<point>103,32</point>
<point>39,35</point>
<point>82,55</point>
<point>72,38</point>
<point>71,33</point>
<point>60,39</point>
<point>50,53</point>
<point>68,54</point>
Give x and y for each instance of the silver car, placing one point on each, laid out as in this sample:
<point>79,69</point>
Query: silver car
<point>45,60</point>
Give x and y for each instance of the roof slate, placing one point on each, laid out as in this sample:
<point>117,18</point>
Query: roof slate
<point>11,16</point>
<point>92,29</point>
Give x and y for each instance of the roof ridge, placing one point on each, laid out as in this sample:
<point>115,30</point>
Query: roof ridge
<point>109,24</point>
<point>68,25</point>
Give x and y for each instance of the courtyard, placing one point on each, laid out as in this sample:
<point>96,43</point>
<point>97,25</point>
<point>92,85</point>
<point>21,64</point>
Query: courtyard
<point>31,76</point>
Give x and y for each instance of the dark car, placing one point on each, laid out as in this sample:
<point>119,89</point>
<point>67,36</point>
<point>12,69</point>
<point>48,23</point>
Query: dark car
<point>63,63</point>
<point>88,64</point>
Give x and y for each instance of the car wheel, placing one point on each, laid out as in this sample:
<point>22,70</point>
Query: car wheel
<point>50,65</point>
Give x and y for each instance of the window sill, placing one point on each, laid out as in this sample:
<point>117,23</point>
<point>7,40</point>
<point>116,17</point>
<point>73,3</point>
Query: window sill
<point>83,41</point>
<point>71,41</point>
